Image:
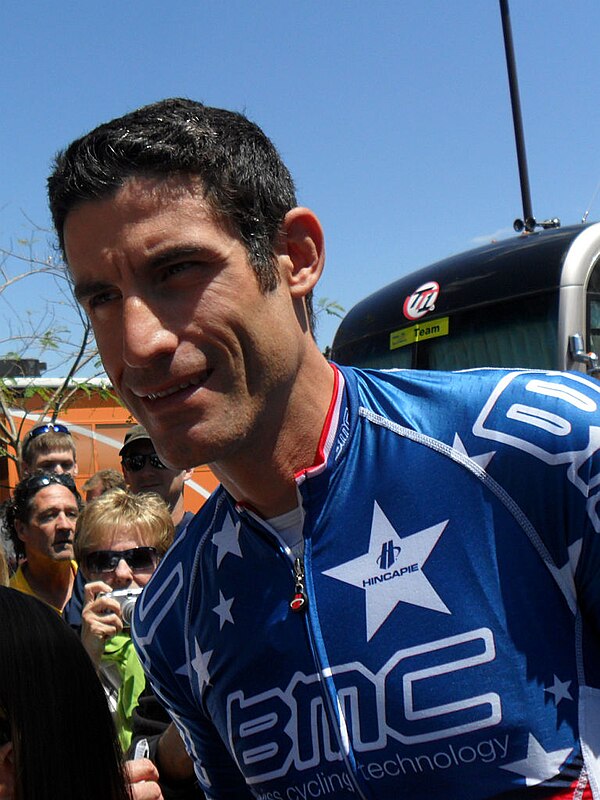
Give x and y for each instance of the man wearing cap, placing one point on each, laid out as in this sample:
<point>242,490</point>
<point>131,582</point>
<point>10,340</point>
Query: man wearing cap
<point>145,472</point>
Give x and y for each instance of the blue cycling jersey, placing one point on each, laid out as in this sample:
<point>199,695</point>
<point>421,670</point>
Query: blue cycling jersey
<point>440,637</point>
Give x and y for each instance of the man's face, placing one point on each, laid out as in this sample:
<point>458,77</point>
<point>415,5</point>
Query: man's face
<point>59,461</point>
<point>50,531</point>
<point>191,345</point>
<point>168,483</point>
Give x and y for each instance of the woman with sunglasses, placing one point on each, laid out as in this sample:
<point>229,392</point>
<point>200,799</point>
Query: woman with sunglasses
<point>119,541</point>
<point>120,538</point>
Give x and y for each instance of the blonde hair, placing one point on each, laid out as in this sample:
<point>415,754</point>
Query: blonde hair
<point>147,513</point>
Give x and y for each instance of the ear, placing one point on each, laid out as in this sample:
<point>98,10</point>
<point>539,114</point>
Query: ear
<point>301,251</point>
<point>75,472</point>
<point>188,474</point>
<point>20,528</point>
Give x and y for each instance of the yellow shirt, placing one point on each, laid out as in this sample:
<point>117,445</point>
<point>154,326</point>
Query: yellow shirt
<point>20,582</point>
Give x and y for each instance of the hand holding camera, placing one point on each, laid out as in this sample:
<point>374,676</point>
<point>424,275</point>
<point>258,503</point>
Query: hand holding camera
<point>105,613</point>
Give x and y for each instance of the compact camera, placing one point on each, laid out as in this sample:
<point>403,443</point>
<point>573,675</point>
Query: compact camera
<point>127,599</point>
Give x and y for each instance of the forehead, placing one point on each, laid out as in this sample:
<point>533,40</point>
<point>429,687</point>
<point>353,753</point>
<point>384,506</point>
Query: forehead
<point>121,537</point>
<point>54,455</point>
<point>53,496</point>
<point>145,212</point>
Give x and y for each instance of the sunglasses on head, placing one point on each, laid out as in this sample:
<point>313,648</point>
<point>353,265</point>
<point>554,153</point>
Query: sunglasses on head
<point>36,482</point>
<point>39,430</point>
<point>137,462</point>
<point>138,559</point>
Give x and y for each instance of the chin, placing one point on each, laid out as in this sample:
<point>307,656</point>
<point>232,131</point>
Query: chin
<point>198,450</point>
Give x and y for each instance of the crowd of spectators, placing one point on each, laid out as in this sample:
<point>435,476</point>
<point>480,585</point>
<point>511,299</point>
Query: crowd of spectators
<point>75,570</point>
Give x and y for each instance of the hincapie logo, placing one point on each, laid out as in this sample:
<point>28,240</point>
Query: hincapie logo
<point>421,301</point>
<point>388,554</point>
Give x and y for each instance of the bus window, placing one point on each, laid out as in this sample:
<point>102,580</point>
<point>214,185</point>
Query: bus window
<point>593,310</point>
<point>521,332</point>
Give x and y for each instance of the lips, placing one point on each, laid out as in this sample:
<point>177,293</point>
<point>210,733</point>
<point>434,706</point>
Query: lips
<point>170,390</point>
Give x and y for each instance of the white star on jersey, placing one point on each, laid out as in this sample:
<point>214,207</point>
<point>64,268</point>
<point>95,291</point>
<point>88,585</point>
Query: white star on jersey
<point>539,766</point>
<point>223,610</point>
<point>227,540</point>
<point>391,571</point>
<point>560,690</point>
<point>200,666</point>
<point>481,460</point>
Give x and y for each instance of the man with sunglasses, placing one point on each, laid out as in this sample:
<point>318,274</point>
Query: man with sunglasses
<point>49,447</point>
<point>145,472</point>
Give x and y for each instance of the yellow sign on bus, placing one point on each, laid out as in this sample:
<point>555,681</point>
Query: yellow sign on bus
<point>419,331</point>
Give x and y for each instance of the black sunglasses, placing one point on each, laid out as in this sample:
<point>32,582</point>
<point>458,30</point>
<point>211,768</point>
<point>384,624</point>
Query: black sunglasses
<point>39,430</point>
<point>137,462</point>
<point>138,559</point>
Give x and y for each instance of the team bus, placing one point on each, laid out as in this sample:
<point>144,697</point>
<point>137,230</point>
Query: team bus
<point>531,301</point>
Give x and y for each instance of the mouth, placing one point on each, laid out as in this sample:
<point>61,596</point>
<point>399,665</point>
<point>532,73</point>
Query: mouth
<point>192,383</point>
<point>63,543</point>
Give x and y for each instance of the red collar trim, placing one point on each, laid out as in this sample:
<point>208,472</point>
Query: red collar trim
<point>329,432</point>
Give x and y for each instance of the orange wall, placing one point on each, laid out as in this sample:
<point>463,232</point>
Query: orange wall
<point>98,427</point>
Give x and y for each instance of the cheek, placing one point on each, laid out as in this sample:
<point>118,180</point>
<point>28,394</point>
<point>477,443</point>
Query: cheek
<point>108,340</point>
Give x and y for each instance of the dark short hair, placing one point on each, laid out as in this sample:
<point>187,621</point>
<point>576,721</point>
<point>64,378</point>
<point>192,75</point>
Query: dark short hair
<point>242,175</point>
<point>19,506</point>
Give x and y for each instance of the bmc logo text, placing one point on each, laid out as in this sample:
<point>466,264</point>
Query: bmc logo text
<point>421,301</point>
<point>405,701</point>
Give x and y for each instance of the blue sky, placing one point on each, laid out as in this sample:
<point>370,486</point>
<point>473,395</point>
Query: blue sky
<point>394,117</point>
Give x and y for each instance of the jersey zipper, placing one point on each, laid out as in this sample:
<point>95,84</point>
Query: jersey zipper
<point>299,601</point>
<point>299,575</point>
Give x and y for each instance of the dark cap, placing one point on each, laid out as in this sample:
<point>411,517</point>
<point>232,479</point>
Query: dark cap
<point>134,435</point>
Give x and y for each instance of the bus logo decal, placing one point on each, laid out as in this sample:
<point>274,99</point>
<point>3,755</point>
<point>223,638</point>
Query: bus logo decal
<point>421,301</point>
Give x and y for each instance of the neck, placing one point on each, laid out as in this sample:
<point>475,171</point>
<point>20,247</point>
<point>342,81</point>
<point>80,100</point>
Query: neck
<point>51,581</point>
<point>262,476</point>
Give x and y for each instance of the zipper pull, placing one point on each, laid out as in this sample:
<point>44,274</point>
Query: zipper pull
<point>299,600</point>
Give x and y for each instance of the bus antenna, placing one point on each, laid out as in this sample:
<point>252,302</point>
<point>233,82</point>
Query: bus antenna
<point>528,222</point>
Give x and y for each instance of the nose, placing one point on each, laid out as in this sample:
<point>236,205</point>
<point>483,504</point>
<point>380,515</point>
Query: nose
<point>145,336</point>
<point>123,574</point>
<point>65,523</point>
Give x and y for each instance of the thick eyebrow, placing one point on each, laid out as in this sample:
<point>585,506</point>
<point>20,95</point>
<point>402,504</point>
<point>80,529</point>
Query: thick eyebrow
<point>87,289</point>
<point>177,253</point>
<point>58,509</point>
